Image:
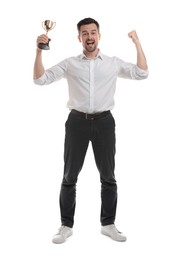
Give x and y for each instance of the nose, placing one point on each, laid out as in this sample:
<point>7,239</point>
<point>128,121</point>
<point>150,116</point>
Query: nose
<point>89,35</point>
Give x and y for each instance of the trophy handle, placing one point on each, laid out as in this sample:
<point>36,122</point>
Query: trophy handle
<point>43,25</point>
<point>53,25</point>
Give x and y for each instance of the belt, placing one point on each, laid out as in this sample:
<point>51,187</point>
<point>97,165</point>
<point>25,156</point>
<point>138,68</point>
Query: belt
<point>90,116</point>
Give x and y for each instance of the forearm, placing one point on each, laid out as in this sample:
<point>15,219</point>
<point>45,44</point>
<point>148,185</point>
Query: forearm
<point>141,59</point>
<point>38,65</point>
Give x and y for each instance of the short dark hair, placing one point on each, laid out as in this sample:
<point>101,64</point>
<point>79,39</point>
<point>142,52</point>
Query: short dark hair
<point>86,21</point>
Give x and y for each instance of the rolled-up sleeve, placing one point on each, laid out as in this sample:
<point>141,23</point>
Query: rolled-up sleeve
<point>55,73</point>
<point>138,73</point>
<point>41,80</point>
<point>129,70</point>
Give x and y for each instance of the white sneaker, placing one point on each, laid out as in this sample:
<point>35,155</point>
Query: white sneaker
<point>112,232</point>
<point>63,233</point>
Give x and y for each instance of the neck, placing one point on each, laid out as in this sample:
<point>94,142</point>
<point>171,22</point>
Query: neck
<point>91,55</point>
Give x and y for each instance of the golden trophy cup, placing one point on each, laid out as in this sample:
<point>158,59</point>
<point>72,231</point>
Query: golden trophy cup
<point>47,25</point>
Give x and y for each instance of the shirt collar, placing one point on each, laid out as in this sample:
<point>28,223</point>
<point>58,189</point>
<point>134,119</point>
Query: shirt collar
<point>99,55</point>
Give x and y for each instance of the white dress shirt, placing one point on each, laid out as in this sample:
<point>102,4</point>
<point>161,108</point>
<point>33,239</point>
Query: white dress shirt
<point>91,82</point>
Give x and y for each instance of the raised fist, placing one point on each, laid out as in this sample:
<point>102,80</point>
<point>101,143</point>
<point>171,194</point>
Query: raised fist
<point>133,35</point>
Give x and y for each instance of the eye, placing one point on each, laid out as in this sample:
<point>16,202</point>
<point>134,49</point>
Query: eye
<point>84,34</point>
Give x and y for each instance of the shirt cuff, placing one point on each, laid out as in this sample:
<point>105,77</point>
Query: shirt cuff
<point>41,80</point>
<point>141,72</point>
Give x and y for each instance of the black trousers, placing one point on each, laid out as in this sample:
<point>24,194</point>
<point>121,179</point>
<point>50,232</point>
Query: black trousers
<point>79,132</point>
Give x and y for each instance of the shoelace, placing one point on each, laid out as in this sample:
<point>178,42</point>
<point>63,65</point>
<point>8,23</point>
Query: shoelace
<point>62,230</point>
<point>114,227</point>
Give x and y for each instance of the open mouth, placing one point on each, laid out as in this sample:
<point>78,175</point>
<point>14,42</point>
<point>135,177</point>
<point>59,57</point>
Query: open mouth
<point>90,43</point>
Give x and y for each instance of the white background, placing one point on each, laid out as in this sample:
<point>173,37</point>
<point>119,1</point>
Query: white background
<point>149,141</point>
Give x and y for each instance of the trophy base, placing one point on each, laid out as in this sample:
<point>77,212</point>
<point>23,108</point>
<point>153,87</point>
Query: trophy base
<point>44,46</point>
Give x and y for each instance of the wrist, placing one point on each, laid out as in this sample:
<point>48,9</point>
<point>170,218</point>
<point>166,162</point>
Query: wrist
<point>137,43</point>
<point>38,50</point>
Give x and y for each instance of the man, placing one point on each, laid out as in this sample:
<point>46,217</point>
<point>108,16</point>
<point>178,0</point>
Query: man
<point>91,79</point>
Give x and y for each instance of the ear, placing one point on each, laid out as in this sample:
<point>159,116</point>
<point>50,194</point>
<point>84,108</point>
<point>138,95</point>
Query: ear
<point>99,36</point>
<point>79,38</point>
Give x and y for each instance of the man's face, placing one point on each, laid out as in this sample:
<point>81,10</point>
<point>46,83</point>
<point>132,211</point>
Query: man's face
<point>89,36</point>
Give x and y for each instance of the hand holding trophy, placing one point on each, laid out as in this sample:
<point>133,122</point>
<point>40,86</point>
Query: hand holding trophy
<point>47,26</point>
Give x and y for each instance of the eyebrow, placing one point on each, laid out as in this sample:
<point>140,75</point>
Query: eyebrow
<point>88,31</point>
